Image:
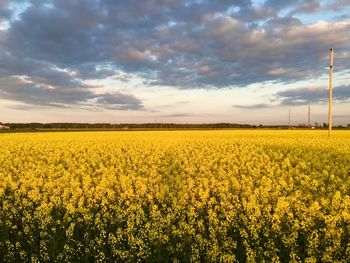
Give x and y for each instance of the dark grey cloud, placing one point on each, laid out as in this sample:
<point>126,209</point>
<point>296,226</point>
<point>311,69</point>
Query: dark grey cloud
<point>303,96</point>
<point>119,101</point>
<point>339,4</point>
<point>4,13</point>
<point>253,106</point>
<point>178,115</point>
<point>24,90</point>
<point>59,44</point>
<point>280,4</point>
<point>40,83</point>
<point>307,6</point>
<point>341,17</point>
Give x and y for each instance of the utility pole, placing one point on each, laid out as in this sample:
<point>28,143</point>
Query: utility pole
<point>289,120</point>
<point>330,93</point>
<point>309,118</point>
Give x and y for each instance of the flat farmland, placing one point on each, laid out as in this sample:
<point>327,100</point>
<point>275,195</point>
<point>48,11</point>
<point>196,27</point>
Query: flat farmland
<point>175,196</point>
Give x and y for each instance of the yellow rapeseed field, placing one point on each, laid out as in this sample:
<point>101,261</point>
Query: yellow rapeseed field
<point>175,196</point>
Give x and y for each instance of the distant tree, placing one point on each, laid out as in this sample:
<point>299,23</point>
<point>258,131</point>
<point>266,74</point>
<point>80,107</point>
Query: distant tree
<point>348,126</point>
<point>325,125</point>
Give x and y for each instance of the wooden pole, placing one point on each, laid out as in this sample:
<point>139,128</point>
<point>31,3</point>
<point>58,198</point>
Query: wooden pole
<point>330,93</point>
<point>309,118</point>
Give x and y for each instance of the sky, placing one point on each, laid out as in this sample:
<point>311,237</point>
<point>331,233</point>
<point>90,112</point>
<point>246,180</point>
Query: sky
<point>190,61</point>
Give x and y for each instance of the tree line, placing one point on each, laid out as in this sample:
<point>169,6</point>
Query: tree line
<point>64,125</point>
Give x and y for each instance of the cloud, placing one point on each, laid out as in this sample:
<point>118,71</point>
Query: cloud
<point>58,45</point>
<point>307,6</point>
<point>338,4</point>
<point>23,89</point>
<point>119,101</point>
<point>4,13</point>
<point>253,106</point>
<point>304,96</point>
<point>178,115</point>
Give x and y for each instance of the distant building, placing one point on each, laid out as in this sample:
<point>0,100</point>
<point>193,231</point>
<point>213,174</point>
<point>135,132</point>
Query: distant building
<point>3,127</point>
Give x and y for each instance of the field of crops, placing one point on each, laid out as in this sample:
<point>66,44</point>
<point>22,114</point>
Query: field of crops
<point>175,196</point>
